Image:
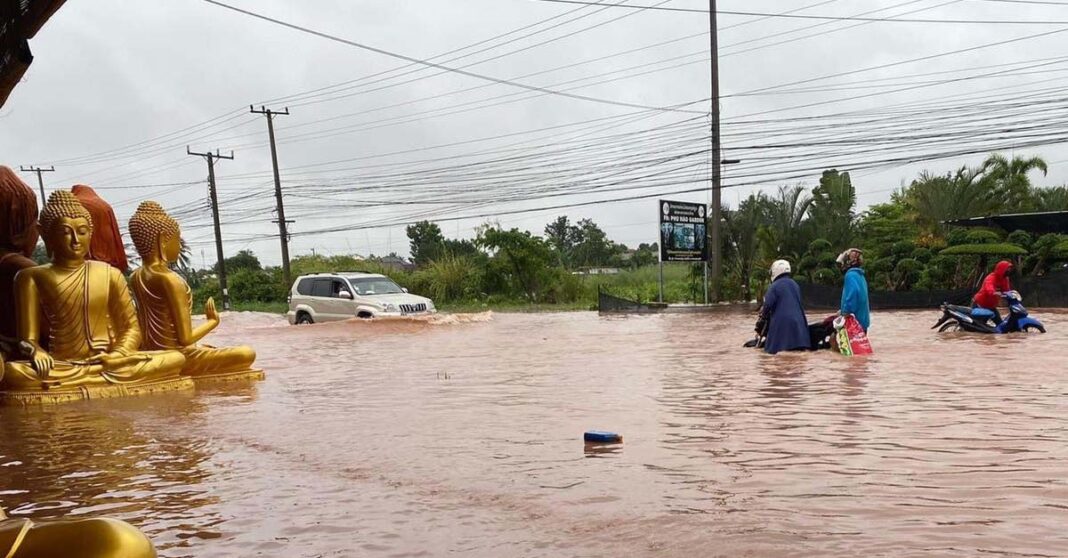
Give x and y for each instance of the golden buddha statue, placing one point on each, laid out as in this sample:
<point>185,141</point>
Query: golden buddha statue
<point>83,538</point>
<point>164,302</point>
<point>93,336</point>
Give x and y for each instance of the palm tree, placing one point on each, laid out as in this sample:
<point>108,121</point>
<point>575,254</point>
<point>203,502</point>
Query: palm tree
<point>1011,186</point>
<point>784,235</point>
<point>833,202</point>
<point>1050,199</point>
<point>933,199</point>
<point>184,265</point>
<point>742,226</point>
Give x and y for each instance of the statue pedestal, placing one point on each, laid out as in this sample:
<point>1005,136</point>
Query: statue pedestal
<point>86,393</point>
<point>237,376</point>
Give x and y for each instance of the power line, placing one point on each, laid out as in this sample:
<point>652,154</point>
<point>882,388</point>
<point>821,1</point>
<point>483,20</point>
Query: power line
<point>816,17</point>
<point>903,62</point>
<point>428,63</point>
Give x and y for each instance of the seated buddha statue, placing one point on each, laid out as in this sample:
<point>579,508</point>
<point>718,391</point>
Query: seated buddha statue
<point>164,303</point>
<point>83,538</point>
<point>93,335</point>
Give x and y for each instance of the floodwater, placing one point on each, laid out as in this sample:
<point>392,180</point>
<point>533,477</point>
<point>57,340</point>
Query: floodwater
<point>463,436</point>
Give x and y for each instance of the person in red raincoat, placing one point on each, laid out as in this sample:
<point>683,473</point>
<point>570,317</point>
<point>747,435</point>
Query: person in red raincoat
<point>996,283</point>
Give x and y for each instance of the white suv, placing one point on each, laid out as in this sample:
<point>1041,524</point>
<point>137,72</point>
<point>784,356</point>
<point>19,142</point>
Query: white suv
<point>326,297</point>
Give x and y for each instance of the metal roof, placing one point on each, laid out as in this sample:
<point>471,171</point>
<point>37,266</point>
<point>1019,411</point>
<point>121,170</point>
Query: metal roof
<point>20,20</point>
<point>1035,223</point>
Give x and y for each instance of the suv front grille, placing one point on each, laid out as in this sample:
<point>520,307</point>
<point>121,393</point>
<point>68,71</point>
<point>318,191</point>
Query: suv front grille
<point>413,308</point>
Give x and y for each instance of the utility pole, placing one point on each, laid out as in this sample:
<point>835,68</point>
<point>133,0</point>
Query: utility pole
<point>717,176</point>
<point>40,181</point>
<point>283,225</point>
<point>211,157</point>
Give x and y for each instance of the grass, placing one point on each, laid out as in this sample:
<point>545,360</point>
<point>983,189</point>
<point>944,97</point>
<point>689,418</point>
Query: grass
<point>641,285</point>
<point>515,307</point>
<point>280,307</point>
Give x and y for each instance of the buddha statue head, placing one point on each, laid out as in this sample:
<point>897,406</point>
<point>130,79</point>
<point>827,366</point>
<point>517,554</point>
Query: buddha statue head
<point>155,234</point>
<point>67,227</point>
<point>18,206</point>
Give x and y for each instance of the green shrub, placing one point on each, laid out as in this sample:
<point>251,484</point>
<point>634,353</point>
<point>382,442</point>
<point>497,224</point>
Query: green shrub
<point>1021,239</point>
<point>985,249</point>
<point>982,236</point>
<point>449,279</point>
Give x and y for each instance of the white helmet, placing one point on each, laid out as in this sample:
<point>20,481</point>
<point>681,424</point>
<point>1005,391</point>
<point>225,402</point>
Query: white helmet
<point>778,268</point>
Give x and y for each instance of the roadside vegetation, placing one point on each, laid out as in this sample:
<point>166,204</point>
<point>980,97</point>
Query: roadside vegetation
<point>907,246</point>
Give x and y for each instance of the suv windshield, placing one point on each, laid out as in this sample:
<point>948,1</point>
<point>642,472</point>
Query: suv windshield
<point>366,286</point>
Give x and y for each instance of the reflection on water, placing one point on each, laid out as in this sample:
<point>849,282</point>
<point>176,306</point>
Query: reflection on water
<point>460,435</point>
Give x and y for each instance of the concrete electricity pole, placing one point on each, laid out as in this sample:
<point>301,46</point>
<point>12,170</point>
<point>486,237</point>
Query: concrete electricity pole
<point>283,225</point>
<point>40,181</point>
<point>717,171</point>
<point>211,157</point>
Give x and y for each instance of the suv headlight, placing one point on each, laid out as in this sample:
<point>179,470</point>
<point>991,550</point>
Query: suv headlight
<point>390,307</point>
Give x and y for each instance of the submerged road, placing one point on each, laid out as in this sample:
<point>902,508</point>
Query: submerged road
<point>462,435</point>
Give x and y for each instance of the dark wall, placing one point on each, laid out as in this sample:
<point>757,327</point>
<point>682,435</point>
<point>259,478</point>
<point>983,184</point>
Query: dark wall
<point>1050,291</point>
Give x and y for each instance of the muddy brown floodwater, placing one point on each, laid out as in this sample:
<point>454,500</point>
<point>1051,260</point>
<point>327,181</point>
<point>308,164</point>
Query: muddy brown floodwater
<point>462,436</point>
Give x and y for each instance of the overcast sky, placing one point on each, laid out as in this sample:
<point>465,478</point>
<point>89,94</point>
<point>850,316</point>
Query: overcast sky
<point>118,89</point>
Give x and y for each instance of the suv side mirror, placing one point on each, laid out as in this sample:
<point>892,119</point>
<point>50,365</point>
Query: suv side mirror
<point>344,294</point>
<point>404,289</point>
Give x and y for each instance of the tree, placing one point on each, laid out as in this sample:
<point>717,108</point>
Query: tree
<point>934,199</point>
<point>425,241</point>
<point>184,266</point>
<point>460,248</point>
<point>783,235</point>
<point>521,262</point>
<point>1050,199</point>
<point>558,234</point>
<point>741,227</point>
<point>832,208</point>
<point>883,224</point>
<point>591,245</point>
<point>1010,184</point>
<point>245,259</point>
<point>644,255</point>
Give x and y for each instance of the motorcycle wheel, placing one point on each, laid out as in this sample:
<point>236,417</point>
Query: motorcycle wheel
<point>1033,328</point>
<point>949,326</point>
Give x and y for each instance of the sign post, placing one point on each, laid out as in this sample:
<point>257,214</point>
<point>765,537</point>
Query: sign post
<point>683,236</point>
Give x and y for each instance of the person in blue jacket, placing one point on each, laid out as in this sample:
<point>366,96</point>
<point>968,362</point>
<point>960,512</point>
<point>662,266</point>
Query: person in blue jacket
<point>786,325</point>
<point>855,289</point>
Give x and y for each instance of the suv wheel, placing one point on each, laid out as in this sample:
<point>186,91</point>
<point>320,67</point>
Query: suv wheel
<point>304,318</point>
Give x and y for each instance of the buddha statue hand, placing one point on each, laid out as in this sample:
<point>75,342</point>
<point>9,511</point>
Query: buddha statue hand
<point>210,312</point>
<point>116,359</point>
<point>43,362</point>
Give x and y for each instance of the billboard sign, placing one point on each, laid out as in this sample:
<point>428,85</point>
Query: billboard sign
<point>683,236</point>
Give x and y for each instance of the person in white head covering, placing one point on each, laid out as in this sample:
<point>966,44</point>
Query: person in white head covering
<point>782,312</point>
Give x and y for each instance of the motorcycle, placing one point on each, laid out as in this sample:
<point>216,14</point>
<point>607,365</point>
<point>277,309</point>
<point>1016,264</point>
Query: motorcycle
<point>819,333</point>
<point>982,320</point>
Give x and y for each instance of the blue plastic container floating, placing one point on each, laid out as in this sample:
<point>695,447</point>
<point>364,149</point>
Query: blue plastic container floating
<point>601,437</point>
